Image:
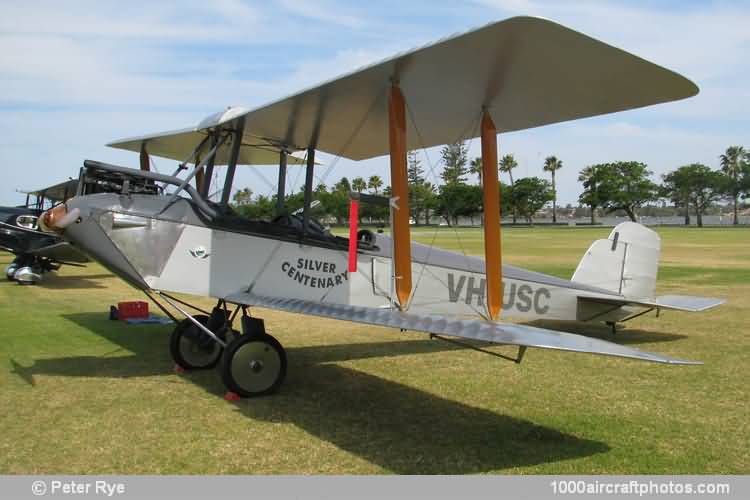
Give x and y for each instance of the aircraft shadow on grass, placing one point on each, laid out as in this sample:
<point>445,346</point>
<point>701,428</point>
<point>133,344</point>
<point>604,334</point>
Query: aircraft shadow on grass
<point>75,282</point>
<point>400,428</point>
<point>52,281</point>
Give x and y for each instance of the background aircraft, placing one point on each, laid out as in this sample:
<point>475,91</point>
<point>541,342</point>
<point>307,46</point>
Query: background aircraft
<point>36,252</point>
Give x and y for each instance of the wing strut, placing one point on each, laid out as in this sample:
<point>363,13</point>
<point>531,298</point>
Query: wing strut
<point>309,179</point>
<point>145,160</point>
<point>400,192</point>
<point>234,155</point>
<point>491,200</point>
<point>280,191</point>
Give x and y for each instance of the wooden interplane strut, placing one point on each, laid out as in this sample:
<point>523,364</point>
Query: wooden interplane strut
<point>400,191</point>
<point>491,203</point>
<point>145,160</point>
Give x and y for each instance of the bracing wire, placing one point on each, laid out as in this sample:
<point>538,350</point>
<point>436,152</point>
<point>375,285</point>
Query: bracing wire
<point>473,126</point>
<point>351,137</point>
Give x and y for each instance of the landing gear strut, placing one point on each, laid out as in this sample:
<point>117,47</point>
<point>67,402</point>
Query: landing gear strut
<point>251,364</point>
<point>194,349</point>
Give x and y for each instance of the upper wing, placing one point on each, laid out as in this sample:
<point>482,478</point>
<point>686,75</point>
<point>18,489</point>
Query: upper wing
<point>58,192</point>
<point>498,333</point>
<point>528,71</point>
<point>686,303</point>
<point>179,144</point>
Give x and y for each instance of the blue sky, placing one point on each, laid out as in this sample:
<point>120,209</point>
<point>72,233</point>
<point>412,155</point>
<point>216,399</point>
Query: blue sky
<point>75,75</point>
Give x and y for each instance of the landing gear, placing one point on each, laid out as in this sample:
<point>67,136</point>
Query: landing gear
<point>28,269</point>
<point>255,363</point>
<point>191,348</point>
<point>10,271</point>
<point>28,275</point>
<point>251,364</point>
<point>194,349</point>
<point>613,326</point>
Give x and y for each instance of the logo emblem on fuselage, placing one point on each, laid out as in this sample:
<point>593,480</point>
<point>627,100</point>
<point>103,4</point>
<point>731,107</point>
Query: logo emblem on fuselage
<point>199,252</point>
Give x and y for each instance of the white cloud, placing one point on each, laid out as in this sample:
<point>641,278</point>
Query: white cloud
<point>327,12</point>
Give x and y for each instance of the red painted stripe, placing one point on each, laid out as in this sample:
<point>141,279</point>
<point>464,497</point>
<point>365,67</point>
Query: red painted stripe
<point>353,227</point>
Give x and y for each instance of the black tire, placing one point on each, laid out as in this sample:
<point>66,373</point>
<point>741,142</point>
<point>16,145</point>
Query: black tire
<point>192,348</point>
<point>253,365</point>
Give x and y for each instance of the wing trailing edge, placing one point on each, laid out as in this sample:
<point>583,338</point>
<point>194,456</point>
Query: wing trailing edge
<point>493,332</point>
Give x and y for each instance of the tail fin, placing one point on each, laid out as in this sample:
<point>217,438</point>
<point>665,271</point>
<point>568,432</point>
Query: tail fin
<point>625,263</point>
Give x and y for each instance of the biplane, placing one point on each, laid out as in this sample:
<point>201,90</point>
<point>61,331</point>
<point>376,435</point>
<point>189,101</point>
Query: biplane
<point>36,252</point>
<point>164,234</point>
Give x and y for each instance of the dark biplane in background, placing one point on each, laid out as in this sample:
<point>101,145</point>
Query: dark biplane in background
<point>36,252</point>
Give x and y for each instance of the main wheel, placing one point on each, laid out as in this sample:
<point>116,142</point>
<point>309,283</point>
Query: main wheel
<point>192,348</point>
<point>253,365</point>
<point>10,271</point>
<point>19,262</point>
<point>28,275</point>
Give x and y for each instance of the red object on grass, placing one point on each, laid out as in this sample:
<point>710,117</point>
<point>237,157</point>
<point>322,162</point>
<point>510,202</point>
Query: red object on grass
<point>232,396</point>
<point>134,309</point>
<point>178,369</point>
<point>353,228</point>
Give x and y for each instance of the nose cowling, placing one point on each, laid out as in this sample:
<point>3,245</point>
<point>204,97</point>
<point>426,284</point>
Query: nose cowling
<point>56,219</point>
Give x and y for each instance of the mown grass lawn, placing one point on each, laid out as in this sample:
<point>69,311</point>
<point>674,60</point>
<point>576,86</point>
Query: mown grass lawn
<point>82,394</point>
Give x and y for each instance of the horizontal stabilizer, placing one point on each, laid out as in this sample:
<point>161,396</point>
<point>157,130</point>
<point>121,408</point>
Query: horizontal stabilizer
<point>486,331</point>
<point>686,303</point>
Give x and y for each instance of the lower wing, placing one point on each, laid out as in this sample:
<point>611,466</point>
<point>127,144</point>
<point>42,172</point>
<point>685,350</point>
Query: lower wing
<point>61,252</point>
<point>494,332</point>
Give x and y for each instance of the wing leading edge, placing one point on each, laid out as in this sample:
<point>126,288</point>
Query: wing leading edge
<point>503,66</point>
<point>497,333</point>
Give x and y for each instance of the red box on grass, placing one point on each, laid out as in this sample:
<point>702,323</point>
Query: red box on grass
<point>133,309</point>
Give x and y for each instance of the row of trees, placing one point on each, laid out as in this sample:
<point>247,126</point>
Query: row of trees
<point>627,186</point>
<point>608,187</point>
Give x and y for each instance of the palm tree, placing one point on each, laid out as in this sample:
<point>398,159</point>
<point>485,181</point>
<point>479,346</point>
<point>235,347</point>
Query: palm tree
<point>507,164</point>
<point>732,163</point>
<point>475,167</point>
<point>375,183</point>
<point>552,164</point>
<point>243,196</point>
<point>359,184</point>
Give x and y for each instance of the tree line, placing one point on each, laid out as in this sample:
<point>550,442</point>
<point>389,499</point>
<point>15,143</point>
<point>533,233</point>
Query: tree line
<point>621,186</point>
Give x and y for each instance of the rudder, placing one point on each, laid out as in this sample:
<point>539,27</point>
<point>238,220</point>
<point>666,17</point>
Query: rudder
<point>625,263</point>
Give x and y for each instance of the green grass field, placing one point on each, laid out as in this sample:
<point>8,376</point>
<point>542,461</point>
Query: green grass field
<point>81,394</point>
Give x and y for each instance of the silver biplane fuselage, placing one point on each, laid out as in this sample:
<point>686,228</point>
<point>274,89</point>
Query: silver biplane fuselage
<point>181,250</point>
